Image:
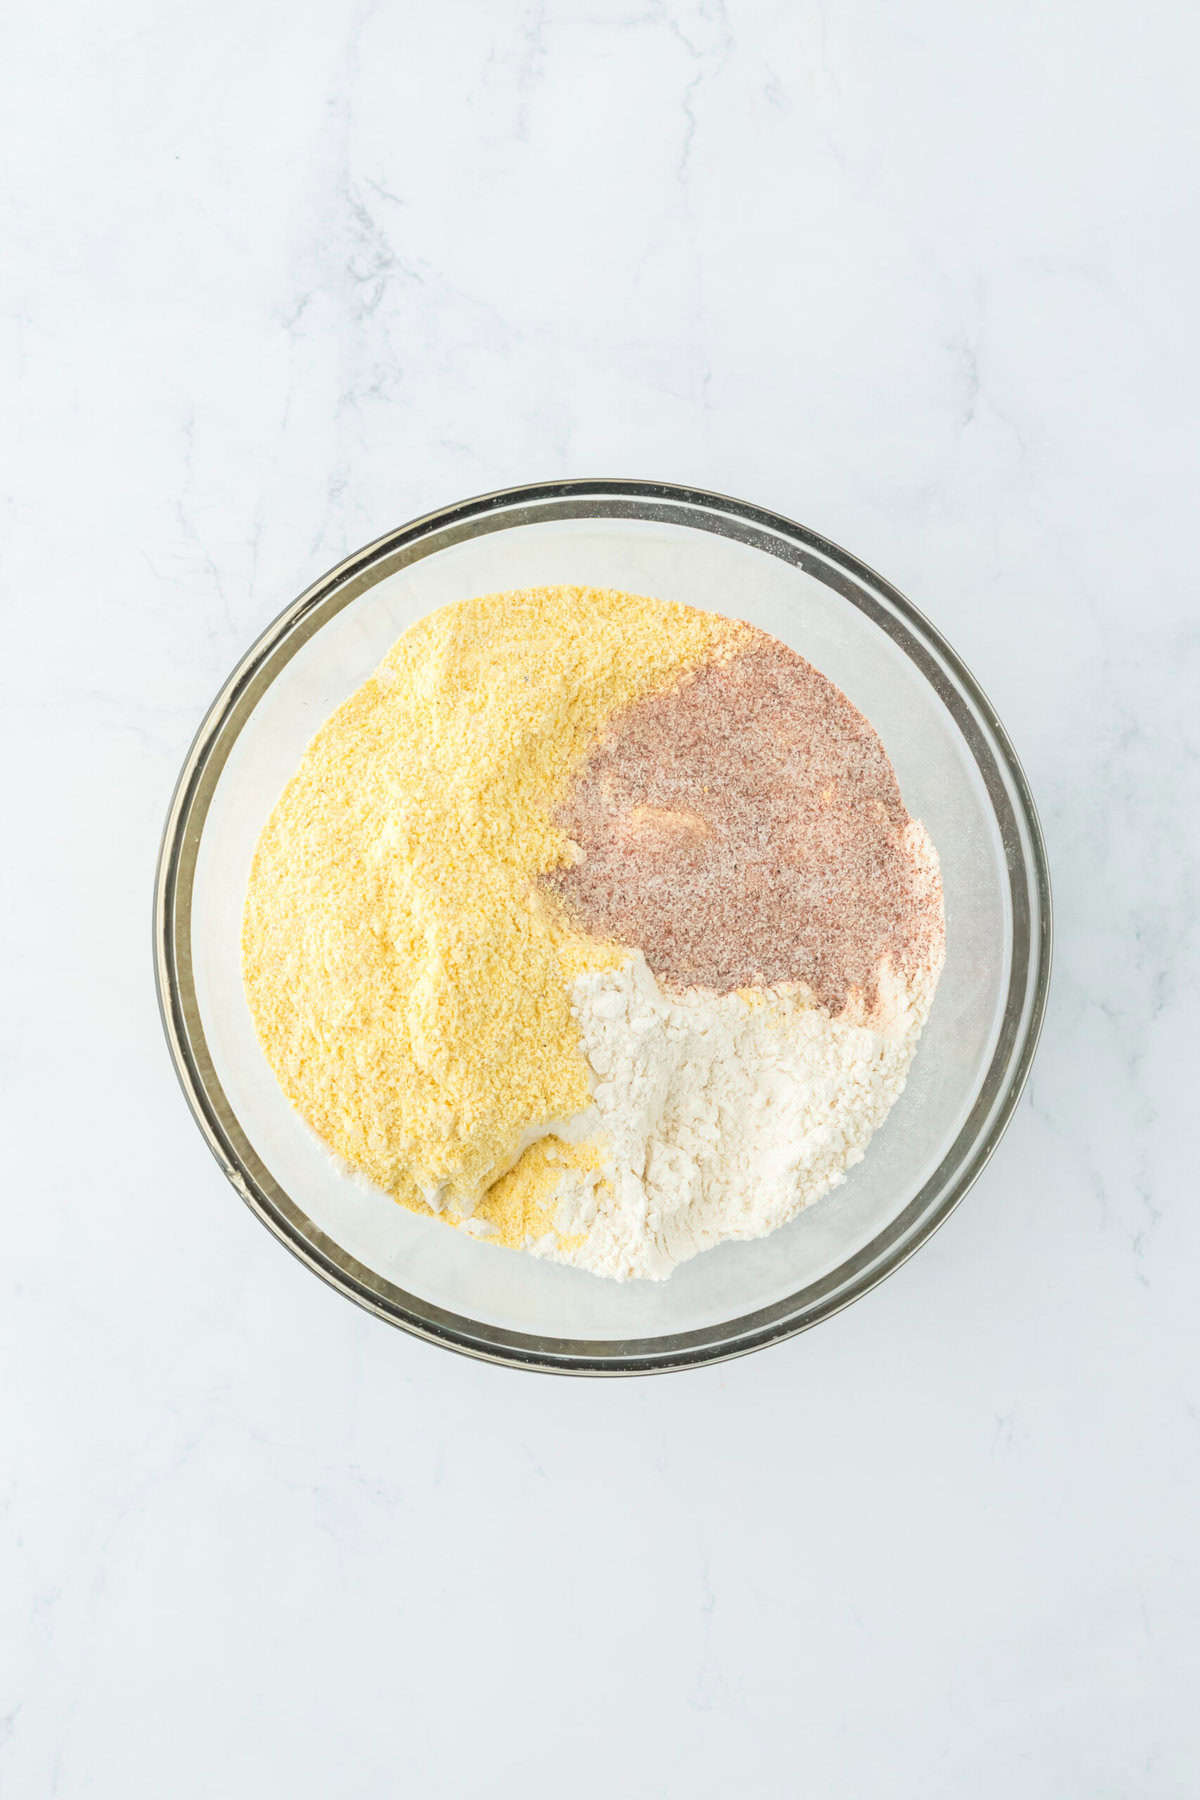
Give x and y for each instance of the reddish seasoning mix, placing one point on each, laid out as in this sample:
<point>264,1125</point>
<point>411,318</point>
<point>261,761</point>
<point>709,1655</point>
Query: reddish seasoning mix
<point>745,828</point>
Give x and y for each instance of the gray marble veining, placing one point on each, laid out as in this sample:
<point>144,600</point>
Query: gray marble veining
<point>275,279</point>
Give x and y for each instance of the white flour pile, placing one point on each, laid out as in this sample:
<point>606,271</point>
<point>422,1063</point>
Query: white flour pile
<point>724,1116</point>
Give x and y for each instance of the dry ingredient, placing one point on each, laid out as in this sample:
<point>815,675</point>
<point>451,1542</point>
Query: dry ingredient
<point>723,1113</point>
<point>745,828</point>
<point>595,924</point>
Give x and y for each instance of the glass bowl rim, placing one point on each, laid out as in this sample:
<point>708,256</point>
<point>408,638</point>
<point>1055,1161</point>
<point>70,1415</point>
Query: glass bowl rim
<point>1012,804</point>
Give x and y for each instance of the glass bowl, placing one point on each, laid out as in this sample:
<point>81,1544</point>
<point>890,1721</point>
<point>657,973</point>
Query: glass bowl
<point>957,772</point>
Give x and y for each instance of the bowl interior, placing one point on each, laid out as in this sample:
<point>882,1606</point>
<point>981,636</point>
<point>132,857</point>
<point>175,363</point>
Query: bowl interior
<point>836,620</point>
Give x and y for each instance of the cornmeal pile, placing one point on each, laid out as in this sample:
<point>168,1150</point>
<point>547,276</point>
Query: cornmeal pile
<point>410,989</point>
<point>456,890</point>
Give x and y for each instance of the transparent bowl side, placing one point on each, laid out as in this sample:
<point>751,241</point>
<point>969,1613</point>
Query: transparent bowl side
<point>955,771</point>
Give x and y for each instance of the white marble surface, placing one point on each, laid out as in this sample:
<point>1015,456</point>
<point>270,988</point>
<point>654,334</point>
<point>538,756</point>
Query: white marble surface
<point>276,278</point>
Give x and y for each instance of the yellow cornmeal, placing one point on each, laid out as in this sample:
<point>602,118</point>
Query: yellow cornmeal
<point>409,988</point>
<point>521,1205</point>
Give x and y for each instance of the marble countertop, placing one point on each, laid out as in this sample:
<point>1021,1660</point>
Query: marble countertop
<point>278,278</point>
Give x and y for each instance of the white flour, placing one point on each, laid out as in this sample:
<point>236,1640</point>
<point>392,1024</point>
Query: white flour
<point>724,1115</point>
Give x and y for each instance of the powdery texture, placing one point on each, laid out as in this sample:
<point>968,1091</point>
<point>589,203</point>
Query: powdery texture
<point>409,994</point>
<point>723,1115</point>
<point>471,1049</point>
<point>745,828</point>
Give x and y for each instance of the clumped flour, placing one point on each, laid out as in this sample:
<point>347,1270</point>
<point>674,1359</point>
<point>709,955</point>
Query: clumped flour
<point>595,926</point>
<point>723,1114</point>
